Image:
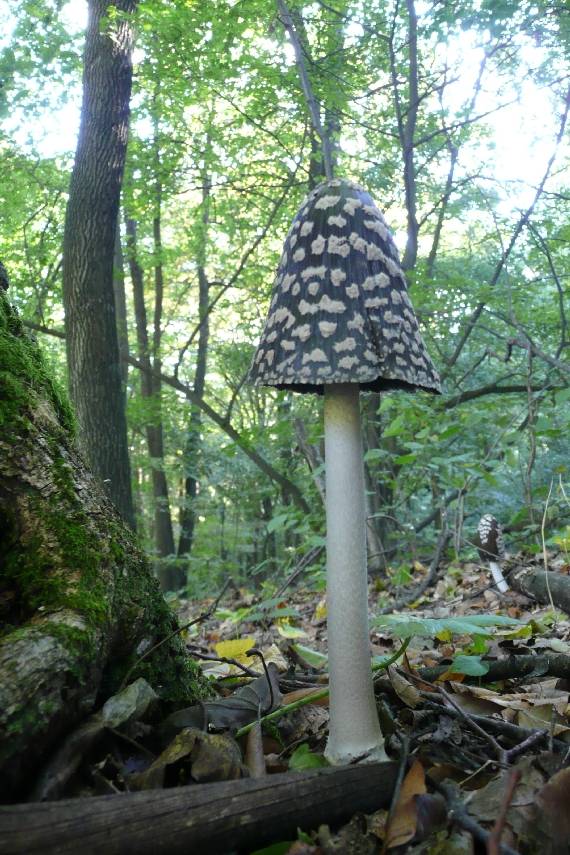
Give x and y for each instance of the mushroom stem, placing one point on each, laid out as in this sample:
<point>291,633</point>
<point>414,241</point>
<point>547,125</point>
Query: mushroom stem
<point>498,577</point>
<point>354,728</point>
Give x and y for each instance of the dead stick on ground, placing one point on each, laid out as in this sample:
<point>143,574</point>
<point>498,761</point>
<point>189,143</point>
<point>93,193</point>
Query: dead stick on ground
<point>499,752</point>
<point>459,816</point>
<point>200,619</point>
<point>494,841</point>
<point>212,818</point>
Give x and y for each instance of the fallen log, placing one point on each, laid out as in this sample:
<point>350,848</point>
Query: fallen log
<point>212,818</point>
<point>515,666</point>
<point>542,586</point>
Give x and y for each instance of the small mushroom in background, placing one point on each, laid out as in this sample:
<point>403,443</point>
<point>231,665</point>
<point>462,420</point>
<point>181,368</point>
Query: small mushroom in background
<point>340,321</point>
<point>491,548</point>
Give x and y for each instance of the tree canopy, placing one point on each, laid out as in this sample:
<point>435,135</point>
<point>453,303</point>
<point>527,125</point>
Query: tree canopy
<point>453,116</point>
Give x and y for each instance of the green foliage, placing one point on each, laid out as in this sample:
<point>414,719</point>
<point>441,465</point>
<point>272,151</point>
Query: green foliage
<point>303,758</point>
<point>407,626</point>
<point>472,666</point>
<point>221,148</point>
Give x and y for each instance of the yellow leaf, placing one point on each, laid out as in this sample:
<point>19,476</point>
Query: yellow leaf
<point>287,630</point>
<point>321,610</point>
<point>236,648</point>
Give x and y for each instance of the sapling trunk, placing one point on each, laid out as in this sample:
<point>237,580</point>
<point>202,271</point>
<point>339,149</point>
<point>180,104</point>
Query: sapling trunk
<point>354,727</point>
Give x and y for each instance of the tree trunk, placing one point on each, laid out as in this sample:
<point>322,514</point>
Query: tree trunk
<point>77,599</point>
<point>192,447</point>
<point>150,392</point>
<point>89,239</point>
<point>121,309</point>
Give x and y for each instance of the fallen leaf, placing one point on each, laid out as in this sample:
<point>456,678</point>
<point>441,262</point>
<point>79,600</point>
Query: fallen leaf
<point>402,826</point>
<point>407,692</point>
<point>192,755</point>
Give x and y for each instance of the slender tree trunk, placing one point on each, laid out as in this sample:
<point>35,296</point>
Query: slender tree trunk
<point>408,142</point>
<point>150,390</point>
<point>90,232</point>
<point>192,447</point>
<point>121,307</point>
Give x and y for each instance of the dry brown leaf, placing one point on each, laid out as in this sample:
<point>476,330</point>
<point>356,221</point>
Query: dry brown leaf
<point>403,823</point>
<point>405,690</point>
<point>298,694</point>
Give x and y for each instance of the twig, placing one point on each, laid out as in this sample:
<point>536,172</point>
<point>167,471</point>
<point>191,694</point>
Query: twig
<point>318,695</point>
<point>503,728</point>
<point>459,816</point>
<point>499,752</point>
<point>305,561</point>
<point>404,754</point>
<point>523,746</point>
<point>209,657</point>
<point>494,840</point>
<point>254,651</point>
<point>200,619</point>
<point>544,553</point>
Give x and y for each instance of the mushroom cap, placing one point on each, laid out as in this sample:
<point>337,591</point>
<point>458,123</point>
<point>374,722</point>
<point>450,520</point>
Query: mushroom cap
<point>489,540</point>
<point>340,310</point>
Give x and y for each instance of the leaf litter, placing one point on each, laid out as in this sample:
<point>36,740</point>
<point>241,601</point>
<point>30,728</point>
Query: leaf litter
<point>484,762</point>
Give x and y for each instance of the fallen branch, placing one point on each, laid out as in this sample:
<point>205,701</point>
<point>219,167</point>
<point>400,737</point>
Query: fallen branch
<point>541,585</point>
<point>512,667</point>
<point>212,818</point>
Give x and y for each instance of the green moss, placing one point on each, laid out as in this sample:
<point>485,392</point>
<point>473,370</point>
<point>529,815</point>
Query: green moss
<point>62,562</point>
<point>23,374</point>
<point>41,577</point>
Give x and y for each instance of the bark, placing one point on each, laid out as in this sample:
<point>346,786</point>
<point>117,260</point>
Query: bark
<point>77,598</point>
<point>121,308</point>
<point>150,392</point>
<point>89,239</point>
<point>544,587</point>
<point>213,818</point>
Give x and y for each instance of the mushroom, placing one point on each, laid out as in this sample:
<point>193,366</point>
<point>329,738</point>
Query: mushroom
<point>340,321</point>
<point>491,548</point>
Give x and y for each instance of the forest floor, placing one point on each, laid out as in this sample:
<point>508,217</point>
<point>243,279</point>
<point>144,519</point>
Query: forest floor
<point>472,687</point>
<point>475,709</point>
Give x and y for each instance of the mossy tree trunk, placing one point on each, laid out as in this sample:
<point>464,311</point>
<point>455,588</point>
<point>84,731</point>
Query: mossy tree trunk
<point>78,603</point>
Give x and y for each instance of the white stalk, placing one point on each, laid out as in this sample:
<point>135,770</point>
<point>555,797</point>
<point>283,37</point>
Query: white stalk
<point>354,730</point>
<point>498,577</point>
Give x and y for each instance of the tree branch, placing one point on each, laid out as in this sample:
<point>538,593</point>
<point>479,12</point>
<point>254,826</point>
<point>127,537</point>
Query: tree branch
<point>314,111</point>
<point>477,312</point>
<point>286,485</point>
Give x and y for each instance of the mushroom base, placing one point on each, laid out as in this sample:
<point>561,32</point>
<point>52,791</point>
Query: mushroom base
<point>354,727</point>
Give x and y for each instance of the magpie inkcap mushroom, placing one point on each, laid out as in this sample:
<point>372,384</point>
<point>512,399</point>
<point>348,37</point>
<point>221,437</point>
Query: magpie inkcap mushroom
<point>340,310</point>
<point>341,321</point>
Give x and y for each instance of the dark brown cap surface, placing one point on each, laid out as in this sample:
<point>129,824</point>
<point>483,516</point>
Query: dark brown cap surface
<point>340,311</point>
<point>489,539</point>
